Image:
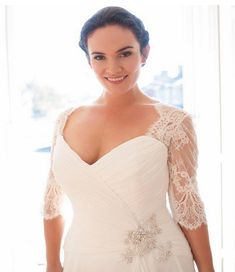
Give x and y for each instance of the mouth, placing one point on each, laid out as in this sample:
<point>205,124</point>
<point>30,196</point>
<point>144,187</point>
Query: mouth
<point>116,80</point>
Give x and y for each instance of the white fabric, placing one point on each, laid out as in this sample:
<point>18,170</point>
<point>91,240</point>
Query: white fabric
<point>120,219</point>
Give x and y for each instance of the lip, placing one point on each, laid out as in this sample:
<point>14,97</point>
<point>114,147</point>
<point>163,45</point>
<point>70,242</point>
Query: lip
<point>115,79</point>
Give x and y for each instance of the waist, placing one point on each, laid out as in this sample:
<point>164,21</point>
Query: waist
<point>106,236</point>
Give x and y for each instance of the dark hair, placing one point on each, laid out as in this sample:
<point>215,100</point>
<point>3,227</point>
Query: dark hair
<point>114,15</point>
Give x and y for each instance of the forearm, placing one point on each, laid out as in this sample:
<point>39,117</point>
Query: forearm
<point>199,242</point>
<point>53,232</point>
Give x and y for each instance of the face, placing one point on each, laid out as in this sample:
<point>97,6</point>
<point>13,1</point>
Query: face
<point>114,56</point>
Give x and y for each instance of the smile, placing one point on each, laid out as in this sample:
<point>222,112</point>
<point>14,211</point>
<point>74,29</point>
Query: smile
<point>115,79</point>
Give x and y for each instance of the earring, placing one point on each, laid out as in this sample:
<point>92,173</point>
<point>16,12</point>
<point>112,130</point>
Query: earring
<point>142,64</point>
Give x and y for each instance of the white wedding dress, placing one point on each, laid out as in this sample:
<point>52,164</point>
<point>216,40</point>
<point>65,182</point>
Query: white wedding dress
<point>121,222</point>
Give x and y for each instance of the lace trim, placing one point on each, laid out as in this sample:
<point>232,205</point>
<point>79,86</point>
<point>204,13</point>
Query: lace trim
<point>180,138</point>
<point>170,129</point>
<point>63,118</point>
<point>186,203</point>
<point>52,201</point>
<point>53,196</point>
<point>164,128</point>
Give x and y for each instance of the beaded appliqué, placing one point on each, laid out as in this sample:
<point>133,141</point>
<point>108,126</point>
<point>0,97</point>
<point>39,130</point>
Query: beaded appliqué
<point>144,239</point>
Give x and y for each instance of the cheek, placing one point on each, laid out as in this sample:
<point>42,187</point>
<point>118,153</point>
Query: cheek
<point>96,67</point>
<point>133,64</point>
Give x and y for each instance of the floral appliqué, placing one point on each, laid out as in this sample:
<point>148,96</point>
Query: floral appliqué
<point>144,239</point>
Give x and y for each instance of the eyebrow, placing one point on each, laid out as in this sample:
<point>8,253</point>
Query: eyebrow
<point>119,50</point>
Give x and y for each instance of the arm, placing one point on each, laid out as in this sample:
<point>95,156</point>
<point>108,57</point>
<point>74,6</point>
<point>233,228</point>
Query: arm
<point>53,232</point>
<point>53,220</point>
<point>53,225</point>
<point>200,246</point>
<point>186,204</point>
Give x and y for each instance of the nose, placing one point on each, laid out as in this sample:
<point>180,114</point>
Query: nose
<point>113,68</point>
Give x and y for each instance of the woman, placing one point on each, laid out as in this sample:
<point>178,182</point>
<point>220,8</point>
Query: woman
<point>116,159</point>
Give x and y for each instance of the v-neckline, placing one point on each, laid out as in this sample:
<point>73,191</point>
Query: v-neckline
<point>109,153</point>
<point>119,146</point>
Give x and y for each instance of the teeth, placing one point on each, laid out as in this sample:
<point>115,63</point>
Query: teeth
<point>115,78</point>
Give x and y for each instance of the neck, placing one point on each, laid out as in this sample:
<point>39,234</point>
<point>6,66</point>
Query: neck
<point>127,99</point>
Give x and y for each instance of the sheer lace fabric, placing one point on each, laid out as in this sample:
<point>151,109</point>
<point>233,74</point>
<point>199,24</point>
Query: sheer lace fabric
<point>186,205</point>
<point>175,129</point>
<point>53,195</point>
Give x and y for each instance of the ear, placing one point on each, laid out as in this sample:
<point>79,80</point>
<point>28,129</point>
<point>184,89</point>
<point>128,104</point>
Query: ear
<point>145,53</point>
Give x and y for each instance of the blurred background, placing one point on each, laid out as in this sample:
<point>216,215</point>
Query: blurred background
<point>43,71</point>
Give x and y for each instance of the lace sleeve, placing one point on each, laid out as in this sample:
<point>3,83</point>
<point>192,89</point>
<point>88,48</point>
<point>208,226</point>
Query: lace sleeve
<point>53,195</point>
<point>185,202</point>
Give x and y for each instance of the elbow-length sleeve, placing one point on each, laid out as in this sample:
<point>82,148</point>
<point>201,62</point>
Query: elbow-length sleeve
<point>185,202</point>
<point>53,194</point>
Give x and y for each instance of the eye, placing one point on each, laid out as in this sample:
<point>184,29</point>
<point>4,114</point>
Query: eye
<point>126,54</point>
<point>99,57</point>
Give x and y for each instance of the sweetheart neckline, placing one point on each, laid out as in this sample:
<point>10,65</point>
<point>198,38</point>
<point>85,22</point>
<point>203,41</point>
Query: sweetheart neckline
<point>146,134</point>
<point>109,153</point>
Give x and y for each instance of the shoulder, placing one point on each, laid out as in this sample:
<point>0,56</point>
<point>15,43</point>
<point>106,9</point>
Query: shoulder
<point>69,111</point>
<point>178,126</point>
<point>171,114</point>
<point>62,116</point>
<point>169,123</point>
